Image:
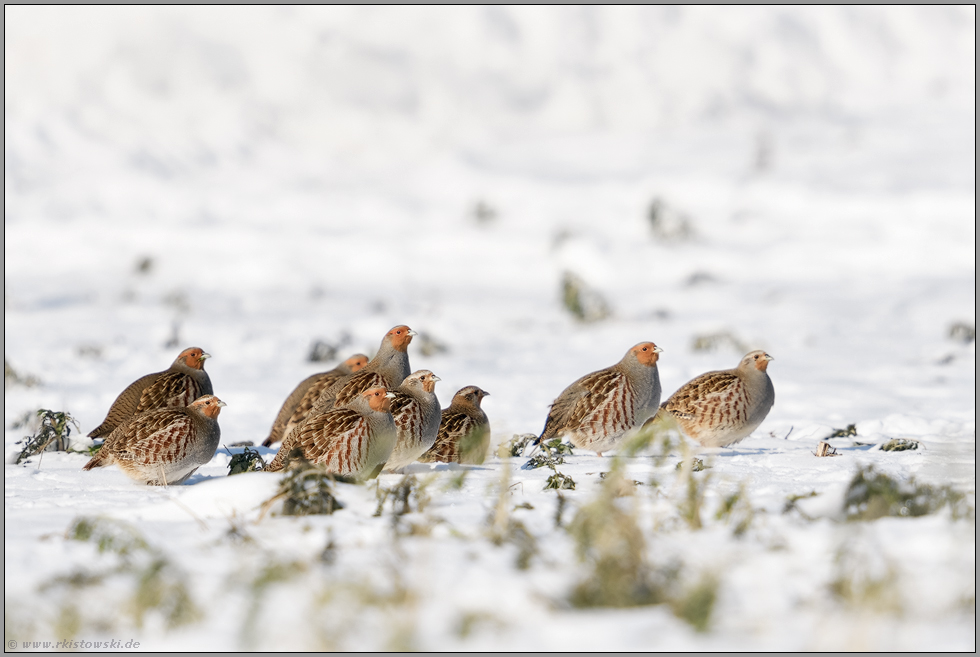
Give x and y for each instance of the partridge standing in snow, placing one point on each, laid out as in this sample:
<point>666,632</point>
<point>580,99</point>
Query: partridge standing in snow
<point>355,441</point>
<point>464,431</point>
<point>416,411</point>
<point>718,409</point>
<point>164,446</point>
<point>300,401</point>
<point>596,411</point>
<point>176,387</point>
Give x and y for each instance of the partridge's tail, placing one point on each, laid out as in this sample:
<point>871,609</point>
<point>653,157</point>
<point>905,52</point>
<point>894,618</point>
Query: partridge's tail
<point>100,460</point>
<point>102,430</point>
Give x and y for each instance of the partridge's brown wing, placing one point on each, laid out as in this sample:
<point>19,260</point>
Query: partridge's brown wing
<point>125,405</point>
<point>171,390</point>
<point>408,415</point>
<point>297,406</point>
<point>460,438</point>
<point>337,440</point>
<point>355,385</point>
<point>163,436</point>
<point>309,400</point>
<point>701,394</point>
<point>406,407</point>
<point>603,391</point>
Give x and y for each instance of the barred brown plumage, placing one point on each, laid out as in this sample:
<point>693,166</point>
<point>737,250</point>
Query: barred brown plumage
<point>721,408</point>
<point>464,431</point>
<point>416,411</point>
<point>354,441</point>
<point>179,385</point>
<point>164,446</point>
<point>300,401</point>
<point>387,369</point>
<point>597,410</point>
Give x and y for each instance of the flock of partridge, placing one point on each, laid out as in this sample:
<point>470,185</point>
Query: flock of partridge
<point>368,416</point>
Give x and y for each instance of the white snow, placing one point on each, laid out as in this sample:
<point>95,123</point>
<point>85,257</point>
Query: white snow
<point>305,173</point>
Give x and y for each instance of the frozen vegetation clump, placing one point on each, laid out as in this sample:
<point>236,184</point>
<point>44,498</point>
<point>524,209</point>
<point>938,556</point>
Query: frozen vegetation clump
<point>719,340</point>
<point>873,494</point>
<point>484,213</point>
<point>516,445</point>
<point>737,511</point>
<point>863,578</point>
<point>610,540</point>
<point>13,378</point>
<point>549,455</point>
<point>585,303</point>
<point>322,351</point>
<point>503,528</point>
<point>139,583</point>
<point>409,495</point>
<point>695,465</point>
<point>306,489</point>
<point>249,460</point>
<point>964,332</point>
<point>52,434</point>
<point>669,224</point>
<point>559,481</point>
<point>849,430</point>
<point>428,345</point>
<point>899,445</point>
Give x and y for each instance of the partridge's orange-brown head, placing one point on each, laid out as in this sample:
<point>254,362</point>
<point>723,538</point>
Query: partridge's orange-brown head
<point>429,381</point>
<point>209,405</point>
<point>647,353</point>
<point>401,337</point>
<point>757,359</point>
<point>424,379</point>
<point>356,362</point>
<point>379,399</point>
<point>194,357</point>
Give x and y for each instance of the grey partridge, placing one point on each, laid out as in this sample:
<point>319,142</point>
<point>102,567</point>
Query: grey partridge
<point>355,441</point>
<point>300,401</point>
<point>164,446</point>
<point>175,387</point>
<point>464,431</point>
<point>597,410</point>
<point>416,411</point>
<point>721,408</point>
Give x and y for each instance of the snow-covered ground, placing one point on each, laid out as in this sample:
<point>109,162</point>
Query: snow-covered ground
<point>292,175</point>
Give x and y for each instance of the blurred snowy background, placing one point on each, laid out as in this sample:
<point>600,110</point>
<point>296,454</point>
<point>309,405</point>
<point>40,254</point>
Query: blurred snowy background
<point>255,180</point>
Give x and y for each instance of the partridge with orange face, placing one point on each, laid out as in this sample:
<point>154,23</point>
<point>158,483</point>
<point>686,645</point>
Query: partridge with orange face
<point>164,446</point>
<point>355,441</point>
<point>596,411</point>
<point>175,387</point>
<point>721,408</point>
<point>416,411</point>
<point>300,401</point>
<point>464,431</point>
